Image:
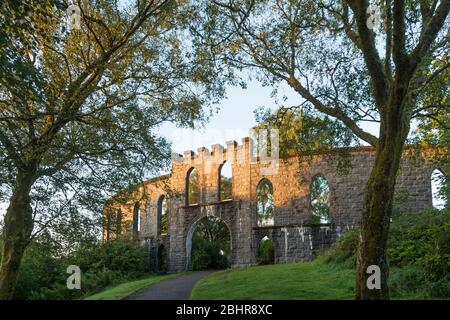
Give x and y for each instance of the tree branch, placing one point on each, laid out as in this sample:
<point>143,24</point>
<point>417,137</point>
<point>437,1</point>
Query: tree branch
<point>370,53</point>
<point>334,112</point>
<point>429,33</point>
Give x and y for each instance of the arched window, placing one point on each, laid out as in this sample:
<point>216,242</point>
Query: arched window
<point>107,224</point>
<point>113,224</point>
<point>225,181</point>
<point>439,197</point>
<point>136,218</point>
<point>192,187</point>
<point>264,203</point>
<point>119,222</point>
<point>320,199</point>
<point>162,215</point>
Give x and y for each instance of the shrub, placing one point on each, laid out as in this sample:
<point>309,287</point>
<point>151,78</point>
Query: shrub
<point>266,252</point>
<point>419,237</point>
<point>124,257</point>
<point>344,251</point>
<point>162,258</point>
<point>42,274</point>
<point>208,255</point>
<point>418,253</point>
<point>420,244</point>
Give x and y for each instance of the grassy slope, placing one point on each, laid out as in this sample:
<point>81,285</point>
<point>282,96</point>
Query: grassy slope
<point>309,280</point>
<point>125,289</point>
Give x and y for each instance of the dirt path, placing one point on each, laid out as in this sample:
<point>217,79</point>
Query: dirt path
<point>173,289</point>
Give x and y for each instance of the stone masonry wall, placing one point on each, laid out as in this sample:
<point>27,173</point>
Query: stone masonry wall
<point>295,237</point>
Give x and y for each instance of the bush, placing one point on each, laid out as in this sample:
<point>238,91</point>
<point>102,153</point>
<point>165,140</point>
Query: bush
<point>266,252</point>
<point>162,259</point>
<point>344,251</point>
<point>124,257</point>
<point>42,274</point>
<point>421,238</point>
<point>39,269</point>
<point>420,245</point>
<point>418,253</point>
<point>208,255</point>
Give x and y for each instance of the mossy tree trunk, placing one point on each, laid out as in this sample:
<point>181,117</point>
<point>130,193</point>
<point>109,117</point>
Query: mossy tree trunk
<point>16,232</point>
<point>379,196</point>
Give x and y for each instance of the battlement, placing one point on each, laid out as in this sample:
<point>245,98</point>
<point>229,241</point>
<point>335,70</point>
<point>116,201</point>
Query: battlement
<point>218,154</point>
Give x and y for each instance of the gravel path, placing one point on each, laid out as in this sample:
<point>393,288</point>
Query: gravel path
<point>172,289</point>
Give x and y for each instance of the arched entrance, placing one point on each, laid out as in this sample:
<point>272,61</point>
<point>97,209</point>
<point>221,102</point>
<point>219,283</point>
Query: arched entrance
<point>266,251</point>
<point>208,244</point>
<point>162,259</point>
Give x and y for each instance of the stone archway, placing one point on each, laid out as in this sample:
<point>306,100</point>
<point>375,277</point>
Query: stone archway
<point>190,234</point>
<point>162,263</point>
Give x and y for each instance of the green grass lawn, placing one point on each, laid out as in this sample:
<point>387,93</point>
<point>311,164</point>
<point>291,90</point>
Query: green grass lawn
<point>308,280</point>
<point>125,289</point>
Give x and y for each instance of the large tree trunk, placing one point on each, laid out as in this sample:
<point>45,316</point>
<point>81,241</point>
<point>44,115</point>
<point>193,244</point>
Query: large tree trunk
<point>378,204</point>
<point>16,233</point>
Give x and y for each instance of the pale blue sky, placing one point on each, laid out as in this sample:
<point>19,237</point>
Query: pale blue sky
<point>234,118</point>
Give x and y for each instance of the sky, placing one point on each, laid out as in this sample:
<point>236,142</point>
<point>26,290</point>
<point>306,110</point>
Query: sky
<point>234,118</point>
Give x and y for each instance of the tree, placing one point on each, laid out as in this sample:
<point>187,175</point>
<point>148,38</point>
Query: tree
<point>346,66</point>
<point>79,107</point>
<point>304,134</point>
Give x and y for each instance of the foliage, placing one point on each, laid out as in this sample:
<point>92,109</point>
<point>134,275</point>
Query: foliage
<point>421,243</point>
<point>326,53</point>
<point>111,128</point>
<point>211,245</point>
<point>344,251</point>
<point>43,274</point>
<point>193,187</point>
<point>435,130</point>
<point>266,252</point>
<point>343,68</point>
<point>303,133</point>
<point>164,223</point>
<point>418,253</point>
<point>320,199</point>
<point>120,256</point>
<point>162,259</point>
<point>208,255</point>
<point>39,271</point>
<point>225,188</point>
<point>80,108</point>
<point>265,203</point>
